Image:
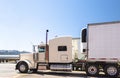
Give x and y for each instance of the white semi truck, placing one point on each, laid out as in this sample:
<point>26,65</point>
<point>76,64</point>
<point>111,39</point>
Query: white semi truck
<point>100,45</point>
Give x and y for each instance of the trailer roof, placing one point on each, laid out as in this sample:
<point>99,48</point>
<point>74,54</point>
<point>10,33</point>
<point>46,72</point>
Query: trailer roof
<point>104,23</point>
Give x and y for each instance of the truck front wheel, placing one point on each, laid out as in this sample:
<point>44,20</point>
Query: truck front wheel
<point>92,70</point>
<point>23,67</point>
<point>111,70</point>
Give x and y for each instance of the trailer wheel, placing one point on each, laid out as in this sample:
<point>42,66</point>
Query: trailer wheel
<point>23,67</point>
<point>111,70</point>
<point>92,70</point>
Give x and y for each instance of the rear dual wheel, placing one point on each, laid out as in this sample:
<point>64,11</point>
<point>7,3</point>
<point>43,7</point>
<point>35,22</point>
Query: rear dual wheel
<point>111,70</point>
<point>92,70</point>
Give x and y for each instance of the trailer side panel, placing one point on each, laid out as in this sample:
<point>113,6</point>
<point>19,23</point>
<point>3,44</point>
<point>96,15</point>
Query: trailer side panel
<point>104,41</point>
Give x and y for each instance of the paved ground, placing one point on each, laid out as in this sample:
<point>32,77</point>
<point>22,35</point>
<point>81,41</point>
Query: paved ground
<point>7,70</point>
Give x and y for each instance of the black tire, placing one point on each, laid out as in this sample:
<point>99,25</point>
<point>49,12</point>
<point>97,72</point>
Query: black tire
<point>111,71</point>
<point>92,70</point>
<point>23,67</point>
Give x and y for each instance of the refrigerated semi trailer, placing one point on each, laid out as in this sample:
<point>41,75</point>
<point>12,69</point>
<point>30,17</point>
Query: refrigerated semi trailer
<point>101,43</point>
<point>100,46</point>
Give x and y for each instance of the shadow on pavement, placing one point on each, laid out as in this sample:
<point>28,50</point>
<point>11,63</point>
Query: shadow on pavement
<point>70,74</point>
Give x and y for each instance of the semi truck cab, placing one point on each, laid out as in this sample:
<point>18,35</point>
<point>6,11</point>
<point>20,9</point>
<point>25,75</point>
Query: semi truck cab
<point>59,56</point>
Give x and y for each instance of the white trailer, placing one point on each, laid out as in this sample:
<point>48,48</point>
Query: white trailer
<point>100,46</point>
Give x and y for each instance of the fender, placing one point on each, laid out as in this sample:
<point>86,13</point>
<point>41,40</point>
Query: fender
<point>30,65</point>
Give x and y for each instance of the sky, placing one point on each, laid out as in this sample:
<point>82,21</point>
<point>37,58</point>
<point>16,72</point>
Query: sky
<point>24,22</point>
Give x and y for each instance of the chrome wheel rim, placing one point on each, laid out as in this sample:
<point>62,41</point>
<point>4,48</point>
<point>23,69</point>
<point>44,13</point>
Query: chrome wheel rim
<point>112,70</point>
<point>22,68</point>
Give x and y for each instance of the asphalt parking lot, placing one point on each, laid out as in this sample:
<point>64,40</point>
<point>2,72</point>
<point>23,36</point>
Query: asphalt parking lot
<point>7,70</point>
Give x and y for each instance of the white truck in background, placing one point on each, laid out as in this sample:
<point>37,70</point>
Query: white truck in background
<point>100,45</point>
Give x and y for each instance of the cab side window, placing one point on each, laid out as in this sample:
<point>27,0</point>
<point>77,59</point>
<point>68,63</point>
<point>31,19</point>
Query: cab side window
<point>62,48</point>
<point>41,49</point>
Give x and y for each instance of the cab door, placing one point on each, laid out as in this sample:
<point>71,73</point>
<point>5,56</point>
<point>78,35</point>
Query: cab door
<point>41,53</point>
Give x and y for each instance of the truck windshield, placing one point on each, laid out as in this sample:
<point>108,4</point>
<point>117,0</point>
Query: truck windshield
<point>41,49</point>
